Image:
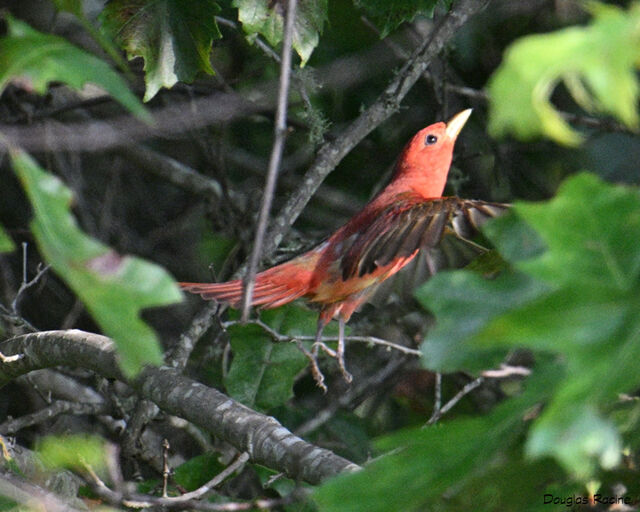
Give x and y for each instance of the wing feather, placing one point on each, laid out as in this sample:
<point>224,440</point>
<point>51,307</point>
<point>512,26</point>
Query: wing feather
<point>401,229</point>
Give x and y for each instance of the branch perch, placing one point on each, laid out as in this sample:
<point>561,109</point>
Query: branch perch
<point>265,440</point>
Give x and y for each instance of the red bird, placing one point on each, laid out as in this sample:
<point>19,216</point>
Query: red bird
<point>342,272</point>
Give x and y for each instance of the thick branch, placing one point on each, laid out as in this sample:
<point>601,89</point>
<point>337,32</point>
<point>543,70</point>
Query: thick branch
<point>263,437</point>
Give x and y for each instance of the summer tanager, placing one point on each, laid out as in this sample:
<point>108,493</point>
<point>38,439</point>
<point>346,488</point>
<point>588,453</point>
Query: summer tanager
<point>342,272</point>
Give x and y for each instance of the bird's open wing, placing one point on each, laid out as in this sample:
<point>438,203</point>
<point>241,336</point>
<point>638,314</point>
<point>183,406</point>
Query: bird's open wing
<point>401,229</point>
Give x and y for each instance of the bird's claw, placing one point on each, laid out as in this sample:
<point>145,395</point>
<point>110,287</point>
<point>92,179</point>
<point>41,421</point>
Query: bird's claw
<point>338,355</point>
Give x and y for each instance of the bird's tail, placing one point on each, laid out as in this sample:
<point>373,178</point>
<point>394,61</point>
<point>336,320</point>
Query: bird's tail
<point>273,287</point>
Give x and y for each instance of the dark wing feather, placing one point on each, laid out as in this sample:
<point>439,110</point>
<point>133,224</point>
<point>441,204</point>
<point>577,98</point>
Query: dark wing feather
<point>399,230</point>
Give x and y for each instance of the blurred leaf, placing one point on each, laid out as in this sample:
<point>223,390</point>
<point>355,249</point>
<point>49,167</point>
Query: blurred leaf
<point>114,288</point>
<point>389,14</point>
<point>463,303</point>
<point>6,244</point>
<point>597,63</point>
<point>76,7</point>
<point>266,18</point>
<point>7,505</point>
<point>591,229</point>
<point>427,463</point>
<point>570,439</point>
<point>198,471</point>
<point>514,239</point>
<point>577,299</point>
<point>488,264</point>
<point>263,372</point>
<point>34,60</point>
<point>73,451</point>
<point>173,37</point>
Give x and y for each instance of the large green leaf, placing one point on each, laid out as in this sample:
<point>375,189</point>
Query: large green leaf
<point>35,60</point>
<point>266,17</point>
<point>389,14</point>
<point>263,372</point>
<point>577,299</point>
<point>173,37</point>
<point>114,288</point>
<point>6,244</point>
<point>440,467</point>
<point>597,63</point>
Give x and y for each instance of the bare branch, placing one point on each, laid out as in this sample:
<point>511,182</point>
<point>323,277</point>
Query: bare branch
<point>506,371</point>
<point>32,496</point>
<point>280,132</point>
<point>439,412</point>
<point>215,481</point>
<point>370,340</point>
<point>263,437</point>
<point>98,135</point>
<point>12,426</point>
<point>173,171</point>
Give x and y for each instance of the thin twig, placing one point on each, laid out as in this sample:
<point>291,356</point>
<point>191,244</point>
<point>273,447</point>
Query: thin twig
<point>59,407</point>
<point>240,461</point>
<point>166,471</point>
<point>506,371</point>
<point>280,132</point>
<point>26,284</point>
<point>437,399</point>
<point>278,336</point>
<point>438,413</point>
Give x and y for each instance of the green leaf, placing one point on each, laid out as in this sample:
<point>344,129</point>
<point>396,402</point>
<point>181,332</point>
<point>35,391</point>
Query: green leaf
<point>389,14</point>
<point>76,8</point>
<point>114,288</point>
<point>6,244</point>
<point>73,452</point>
<point>570,439</point>
<point>173,37</point>
<point>578,299</point>
<point>198,471</point>
<point>464,302</point>
<point>597,63</point>
<point>266,17</point>
<point>577,228</point>
<point>35,60</point>
<point>263,372</point>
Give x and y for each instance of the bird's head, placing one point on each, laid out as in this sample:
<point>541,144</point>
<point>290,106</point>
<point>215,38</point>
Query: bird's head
<point>426,159</point>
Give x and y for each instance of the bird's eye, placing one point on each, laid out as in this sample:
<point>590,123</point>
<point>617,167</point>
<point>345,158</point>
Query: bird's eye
<point>430,140</point>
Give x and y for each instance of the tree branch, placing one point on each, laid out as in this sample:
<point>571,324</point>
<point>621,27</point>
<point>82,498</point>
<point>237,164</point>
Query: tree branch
<point>280,133</point>
<point>265,440</point>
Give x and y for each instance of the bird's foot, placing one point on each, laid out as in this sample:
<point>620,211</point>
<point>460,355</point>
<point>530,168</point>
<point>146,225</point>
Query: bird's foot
<point>312,356</point>
<point>343,368</point>
<point>321,345</point>
<point>338,355</point>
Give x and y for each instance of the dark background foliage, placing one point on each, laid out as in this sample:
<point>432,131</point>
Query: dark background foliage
<point>203,229</point>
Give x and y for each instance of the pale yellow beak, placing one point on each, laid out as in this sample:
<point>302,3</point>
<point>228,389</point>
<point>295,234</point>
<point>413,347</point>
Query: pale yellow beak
<point>456,123</point>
